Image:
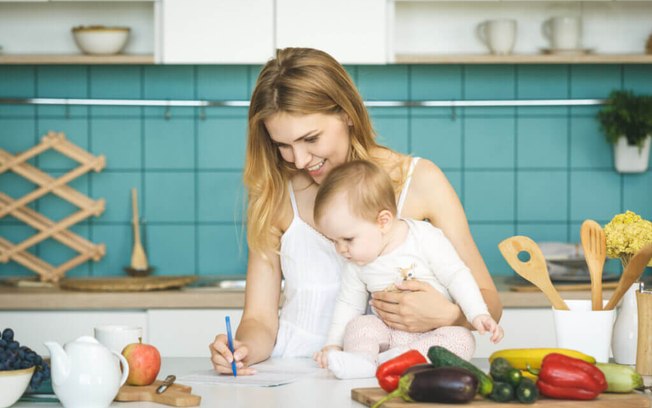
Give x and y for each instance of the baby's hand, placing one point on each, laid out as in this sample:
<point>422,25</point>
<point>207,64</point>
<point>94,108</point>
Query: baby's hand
<point>321,357</point>
<point>484,323</point>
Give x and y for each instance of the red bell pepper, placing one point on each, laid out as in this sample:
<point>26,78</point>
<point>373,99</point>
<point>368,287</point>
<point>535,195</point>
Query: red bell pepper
<point>564,377</point>
<point>389,372</point>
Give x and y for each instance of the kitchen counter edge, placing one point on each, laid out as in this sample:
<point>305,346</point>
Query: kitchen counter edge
<point>15,298</point>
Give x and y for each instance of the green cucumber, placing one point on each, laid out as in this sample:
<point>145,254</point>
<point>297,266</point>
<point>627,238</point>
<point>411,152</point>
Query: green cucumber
<point>620,378</point>
<point>442,357</point>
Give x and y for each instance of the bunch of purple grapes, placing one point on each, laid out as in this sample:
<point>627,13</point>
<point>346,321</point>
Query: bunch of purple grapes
<point>13,356</point>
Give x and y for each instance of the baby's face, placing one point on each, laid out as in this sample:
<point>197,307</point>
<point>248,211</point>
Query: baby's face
<point>358,240</point>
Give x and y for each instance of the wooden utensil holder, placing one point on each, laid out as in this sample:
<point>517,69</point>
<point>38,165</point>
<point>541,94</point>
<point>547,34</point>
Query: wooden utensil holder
<point>45,227</point>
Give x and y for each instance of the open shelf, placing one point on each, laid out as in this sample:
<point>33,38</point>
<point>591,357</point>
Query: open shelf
<point>524,59</point>
<point>75,59</point>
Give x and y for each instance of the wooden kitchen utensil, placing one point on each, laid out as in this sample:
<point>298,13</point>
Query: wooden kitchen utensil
<point>138,257</point>
<point>177,395</point>
<point>632,272</point>
<point>534,270</point>
<point>369,396</point>
<point>595,253</point>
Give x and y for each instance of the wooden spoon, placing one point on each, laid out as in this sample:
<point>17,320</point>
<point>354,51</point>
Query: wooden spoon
<point>138,257</point>
<point>595,252</point>
<point>632,272</point>
<point>534,270</point>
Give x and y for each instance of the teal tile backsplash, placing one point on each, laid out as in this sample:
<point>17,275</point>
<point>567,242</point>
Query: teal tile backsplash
<point>537,171</point>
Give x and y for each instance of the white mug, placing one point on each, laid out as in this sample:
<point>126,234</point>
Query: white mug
<point>498,35</point>
<point>116,337</point>
<point>564,33</point>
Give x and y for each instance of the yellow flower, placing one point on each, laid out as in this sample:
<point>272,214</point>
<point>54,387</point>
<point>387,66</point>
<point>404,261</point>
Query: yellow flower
<point>626,234</point>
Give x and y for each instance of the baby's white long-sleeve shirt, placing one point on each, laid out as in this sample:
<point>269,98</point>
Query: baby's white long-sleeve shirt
<point>431,258</point>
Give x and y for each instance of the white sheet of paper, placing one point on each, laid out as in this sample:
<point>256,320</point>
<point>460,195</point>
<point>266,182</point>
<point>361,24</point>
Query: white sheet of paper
<point>268,374</point>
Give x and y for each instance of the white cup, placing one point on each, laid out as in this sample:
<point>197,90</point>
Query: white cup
<point>116,337</point>
<point>585,330</point>
<point>563,33</point>
<point>498,35</point>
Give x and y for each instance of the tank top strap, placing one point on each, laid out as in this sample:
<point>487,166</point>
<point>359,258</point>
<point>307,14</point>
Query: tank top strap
<point>293,200</point>
<point>406,186</point>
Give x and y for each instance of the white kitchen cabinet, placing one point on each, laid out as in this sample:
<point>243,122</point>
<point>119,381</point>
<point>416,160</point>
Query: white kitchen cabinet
<point>174,332</point>
<point>354,32</point>
<point>524,328</point>
<point>216,31</point>
<point>188,332</point>
<point>34,327</point>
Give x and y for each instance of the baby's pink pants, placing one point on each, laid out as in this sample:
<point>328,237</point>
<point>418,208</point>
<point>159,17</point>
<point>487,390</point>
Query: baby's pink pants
<point>369,335</point>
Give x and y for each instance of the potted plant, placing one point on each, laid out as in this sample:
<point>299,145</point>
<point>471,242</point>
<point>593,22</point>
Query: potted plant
<point>626,120</point>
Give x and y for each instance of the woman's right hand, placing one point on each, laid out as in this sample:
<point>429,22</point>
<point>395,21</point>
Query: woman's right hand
<point>221,356</point>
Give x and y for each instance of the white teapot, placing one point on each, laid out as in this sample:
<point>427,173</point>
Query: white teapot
<point>85,374</point>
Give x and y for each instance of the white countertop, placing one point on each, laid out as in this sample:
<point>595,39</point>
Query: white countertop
<point>317,390</point>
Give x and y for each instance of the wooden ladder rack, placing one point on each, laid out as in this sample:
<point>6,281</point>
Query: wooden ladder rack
<point>46,228</point>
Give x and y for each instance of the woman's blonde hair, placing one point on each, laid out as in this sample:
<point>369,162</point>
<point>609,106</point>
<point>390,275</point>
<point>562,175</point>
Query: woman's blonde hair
<point>298,81</point>
<point>367,187</point>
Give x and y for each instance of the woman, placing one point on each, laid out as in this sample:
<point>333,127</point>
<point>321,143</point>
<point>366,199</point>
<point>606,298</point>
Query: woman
<point>305,118</point>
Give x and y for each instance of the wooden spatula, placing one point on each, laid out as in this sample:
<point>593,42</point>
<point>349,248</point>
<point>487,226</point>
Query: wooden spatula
<point>595,253</point>
<point>632,272</point>
<point>138,257</point>
<point>534,270</point>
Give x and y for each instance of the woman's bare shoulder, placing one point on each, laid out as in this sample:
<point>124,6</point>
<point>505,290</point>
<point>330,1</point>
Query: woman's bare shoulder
<point>428,175</point>
<point>431,194</point>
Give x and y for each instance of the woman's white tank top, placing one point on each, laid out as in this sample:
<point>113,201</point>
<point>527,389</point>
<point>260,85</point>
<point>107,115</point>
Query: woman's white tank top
<point>311,268</point>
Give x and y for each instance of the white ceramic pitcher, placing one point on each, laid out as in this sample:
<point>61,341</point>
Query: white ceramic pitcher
<point>85,374</point>
<point>625,334</point>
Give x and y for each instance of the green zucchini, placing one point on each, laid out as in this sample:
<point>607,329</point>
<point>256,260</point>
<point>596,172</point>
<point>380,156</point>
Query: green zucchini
<point>442,357</point>
<point>502,392</point>
<point>501,370</point>
<point>527,392</point>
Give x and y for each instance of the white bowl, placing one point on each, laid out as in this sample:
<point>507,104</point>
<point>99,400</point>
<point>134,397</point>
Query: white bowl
<point>101,40</point>
<point>13,384</point>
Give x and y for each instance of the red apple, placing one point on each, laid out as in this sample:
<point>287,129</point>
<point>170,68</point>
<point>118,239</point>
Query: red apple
<point>144,363</point>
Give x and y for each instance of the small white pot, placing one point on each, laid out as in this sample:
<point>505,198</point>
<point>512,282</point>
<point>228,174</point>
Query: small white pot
<point>631,159</point>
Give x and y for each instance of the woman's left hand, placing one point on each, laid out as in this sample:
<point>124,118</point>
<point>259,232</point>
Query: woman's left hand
<point>418,307</point>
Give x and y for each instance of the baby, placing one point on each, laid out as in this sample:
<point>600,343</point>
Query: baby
<point>356,209</point>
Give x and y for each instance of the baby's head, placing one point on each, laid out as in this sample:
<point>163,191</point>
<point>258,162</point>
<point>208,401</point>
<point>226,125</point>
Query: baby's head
<point>355,207</point>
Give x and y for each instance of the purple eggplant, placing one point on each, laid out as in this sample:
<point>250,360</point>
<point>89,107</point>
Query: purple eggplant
<point>453,385</point>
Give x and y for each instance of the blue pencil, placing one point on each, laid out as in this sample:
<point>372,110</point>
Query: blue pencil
<point>230,338</point>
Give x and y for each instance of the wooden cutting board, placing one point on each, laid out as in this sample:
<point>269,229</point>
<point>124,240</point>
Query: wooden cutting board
<point>130,284</point>
<point>368,396</point>
<point>177,395</point>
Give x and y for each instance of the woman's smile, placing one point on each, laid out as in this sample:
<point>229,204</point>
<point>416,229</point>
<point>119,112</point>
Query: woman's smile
<point>314,143</point>
<point>315,171</point>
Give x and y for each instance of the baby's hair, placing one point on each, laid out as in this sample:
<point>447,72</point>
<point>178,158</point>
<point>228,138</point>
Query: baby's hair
<point>368,189</point>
